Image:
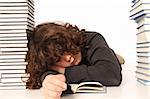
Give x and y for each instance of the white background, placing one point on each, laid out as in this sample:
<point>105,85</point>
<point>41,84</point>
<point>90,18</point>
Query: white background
<point>108,17</point>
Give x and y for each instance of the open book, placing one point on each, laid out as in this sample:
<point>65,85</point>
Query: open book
<point>88,87</point>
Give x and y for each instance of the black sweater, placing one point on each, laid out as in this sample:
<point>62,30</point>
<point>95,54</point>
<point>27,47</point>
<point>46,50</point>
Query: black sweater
<point>100,64</point>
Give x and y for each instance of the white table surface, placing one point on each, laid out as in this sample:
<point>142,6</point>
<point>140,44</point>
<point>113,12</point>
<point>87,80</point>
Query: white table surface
<point>129,89</point>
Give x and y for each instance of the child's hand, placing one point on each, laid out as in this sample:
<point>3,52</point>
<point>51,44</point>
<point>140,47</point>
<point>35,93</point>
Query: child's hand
<point>53,85</point>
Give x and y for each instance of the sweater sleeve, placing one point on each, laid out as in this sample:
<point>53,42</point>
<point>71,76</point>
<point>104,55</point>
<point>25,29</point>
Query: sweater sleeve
<point>102,66</point>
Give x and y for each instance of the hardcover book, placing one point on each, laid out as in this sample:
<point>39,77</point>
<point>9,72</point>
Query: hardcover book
<point>88,87</point>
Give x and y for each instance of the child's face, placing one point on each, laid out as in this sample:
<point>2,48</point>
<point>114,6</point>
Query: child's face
<point>69,60</point>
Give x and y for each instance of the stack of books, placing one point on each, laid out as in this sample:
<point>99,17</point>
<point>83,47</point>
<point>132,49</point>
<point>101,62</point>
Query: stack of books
<point>16,21</point>
<point>140,12</point>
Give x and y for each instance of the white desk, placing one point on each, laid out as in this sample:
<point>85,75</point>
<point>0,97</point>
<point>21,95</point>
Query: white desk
<point>129,89</point>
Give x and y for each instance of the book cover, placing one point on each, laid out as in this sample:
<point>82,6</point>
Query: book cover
<point>88,87</point>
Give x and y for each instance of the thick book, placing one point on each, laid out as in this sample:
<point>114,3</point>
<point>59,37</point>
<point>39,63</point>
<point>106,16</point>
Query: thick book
<point>13,87</point>
<point>12,35</point>
<point>16,19</point>
<point>13,63</point>
<point>12,84</point>
<point>11,80</point>
<point>13,75</point>
<point>14,4</point>
<point>13,53</point>
<point>88,87</point>
<point>143,21</point>
<point>12,38</point>
<point>9,67</point>
<point>16,27</point>
<point>13,41</point>
<point>146,54</point>
<point>143,37</point>
<point>12,57</point>
<point>13,71</point>
<point>143,59</point>
<point>145,27</point>
<point>14,31</point>
<point>13,49</point>
<point>144,82</point>
<point>15,8</point>
<point>15,15</point>
<point>143,44</point>
<point>17,12</point>
<point>143,49</point>
<point>11,60</point>
<point>12,45</point>
<point>24,23</point>
<point>13,1</point>
<point>143,70</point>
<point>143,65</point>
<point>142,76</point>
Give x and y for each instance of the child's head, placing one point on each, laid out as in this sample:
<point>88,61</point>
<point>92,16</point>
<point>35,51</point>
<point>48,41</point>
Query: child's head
<point>48,44</point>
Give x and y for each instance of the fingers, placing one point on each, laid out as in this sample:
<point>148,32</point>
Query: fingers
<point>55,82</point>
<point>53,85</point>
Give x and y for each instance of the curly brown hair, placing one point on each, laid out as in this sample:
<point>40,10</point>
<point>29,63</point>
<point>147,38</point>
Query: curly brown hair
<point>47,43</point>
